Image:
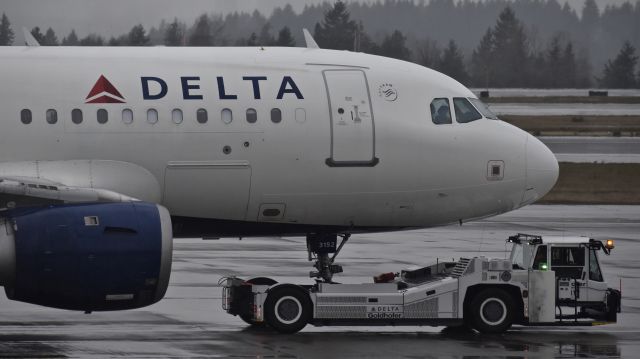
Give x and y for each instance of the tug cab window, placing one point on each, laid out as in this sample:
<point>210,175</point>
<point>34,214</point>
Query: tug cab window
<point>594,268</point>
<point>540,260</point>
<point>440,111</point>
<point>484,109</point>
<point>465,112</point>
<point>567,262</point>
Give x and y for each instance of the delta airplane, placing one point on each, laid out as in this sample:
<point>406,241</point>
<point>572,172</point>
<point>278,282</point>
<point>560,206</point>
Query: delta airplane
<point>107,154</point>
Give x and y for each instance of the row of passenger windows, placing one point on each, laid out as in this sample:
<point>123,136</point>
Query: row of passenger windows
<point>464,109</point>
<point>177,117</point>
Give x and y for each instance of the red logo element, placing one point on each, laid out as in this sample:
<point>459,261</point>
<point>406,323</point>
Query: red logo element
<point>104,92</point>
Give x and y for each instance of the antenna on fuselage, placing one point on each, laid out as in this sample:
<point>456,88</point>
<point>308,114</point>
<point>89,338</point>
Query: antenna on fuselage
<point>29,40</point>
<point>311,43</point>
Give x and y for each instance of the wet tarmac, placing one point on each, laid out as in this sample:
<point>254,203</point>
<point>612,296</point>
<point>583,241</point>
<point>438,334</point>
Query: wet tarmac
<point>189,322</point>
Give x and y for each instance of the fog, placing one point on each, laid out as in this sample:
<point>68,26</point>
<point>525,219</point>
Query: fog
<point>114,17</point>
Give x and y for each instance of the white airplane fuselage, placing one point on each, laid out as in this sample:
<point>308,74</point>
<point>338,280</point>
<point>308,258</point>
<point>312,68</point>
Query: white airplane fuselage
<point>356,147</point>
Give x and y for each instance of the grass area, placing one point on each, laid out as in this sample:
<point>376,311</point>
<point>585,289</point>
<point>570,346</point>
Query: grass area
<point>577,125</point>
<point>596,183</point>
<point>564,99</point>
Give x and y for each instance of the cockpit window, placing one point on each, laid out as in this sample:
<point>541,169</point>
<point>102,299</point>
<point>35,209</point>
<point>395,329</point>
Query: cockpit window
<point>464,111</point>
<point>484,109</point>
<point>440,111</point>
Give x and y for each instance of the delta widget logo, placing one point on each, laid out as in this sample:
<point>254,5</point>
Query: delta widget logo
<point>104,92</point>
<point>388,92</point>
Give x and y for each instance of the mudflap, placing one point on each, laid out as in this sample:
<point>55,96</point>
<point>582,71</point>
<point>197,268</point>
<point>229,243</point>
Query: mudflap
<point>241,300</point>
<point>614,304</point>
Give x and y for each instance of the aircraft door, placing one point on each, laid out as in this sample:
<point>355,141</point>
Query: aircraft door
<point>351,116</point>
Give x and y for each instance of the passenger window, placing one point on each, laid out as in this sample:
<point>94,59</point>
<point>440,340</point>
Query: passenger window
<point>176,116</point>
<point>52,117</point>
<point>103,116</point>
<point>276,115</point>
<point>76,116</point>
<point>227,116</point>
<point>127,116</point>
<point>465,112</point>
<point>25,116</point>
<point>440,112</point>
<point>202,116</point>
<point>152,116</point>
<point>594,267</point>
<point>252,115</point>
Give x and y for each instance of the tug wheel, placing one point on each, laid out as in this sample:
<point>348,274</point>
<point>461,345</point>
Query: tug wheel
<point>287,309</point>
<point>491,311</point>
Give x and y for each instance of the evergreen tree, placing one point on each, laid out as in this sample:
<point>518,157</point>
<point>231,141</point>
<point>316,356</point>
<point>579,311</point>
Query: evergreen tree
<point>6,33</point>
<point>482,65</point>
<point>538,62</point>
<point>201,35</point>
<point>50,38</point>
<point>71,39</point>
<point>363,43</point>
<point>620,72</point>
<point>285,38</point>
<point>92,40</point>
<point>510,54</point>
<point>590,14</point>
<point>174,35</point>
<point>395,46</point>
<point>553,68</point>
<point>252,40</point>
<point>138,36</point>
<point>337,31</point>
<point>452,63</point>
<point>39,36</point>
<point>429,54</point>
<point>568,67</point>
<point>122,40</point>
<point>265,38</point>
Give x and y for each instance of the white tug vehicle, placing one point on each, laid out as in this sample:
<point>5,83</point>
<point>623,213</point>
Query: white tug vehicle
<point>547,281</point>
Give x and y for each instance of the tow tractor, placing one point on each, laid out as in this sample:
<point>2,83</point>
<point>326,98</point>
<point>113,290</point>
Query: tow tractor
<point>547,281</point>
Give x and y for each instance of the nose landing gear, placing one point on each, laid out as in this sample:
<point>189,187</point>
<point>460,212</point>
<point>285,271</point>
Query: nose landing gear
<point>319,247</point>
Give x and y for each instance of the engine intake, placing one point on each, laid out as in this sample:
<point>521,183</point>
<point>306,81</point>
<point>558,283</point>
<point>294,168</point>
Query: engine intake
<point>89,257</point>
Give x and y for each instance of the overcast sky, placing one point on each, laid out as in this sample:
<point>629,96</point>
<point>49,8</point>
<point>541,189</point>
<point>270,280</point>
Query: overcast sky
<point>115,17</point>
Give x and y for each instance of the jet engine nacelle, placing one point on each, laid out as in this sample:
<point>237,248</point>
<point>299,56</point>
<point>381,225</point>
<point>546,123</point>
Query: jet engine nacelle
<point>89,257</point>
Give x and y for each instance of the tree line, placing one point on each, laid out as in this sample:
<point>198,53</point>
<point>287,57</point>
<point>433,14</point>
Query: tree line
<point>508,53</point>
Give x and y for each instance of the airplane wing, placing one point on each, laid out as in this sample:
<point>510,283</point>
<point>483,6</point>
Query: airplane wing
<point>39,188</point>
<point>80,181</point>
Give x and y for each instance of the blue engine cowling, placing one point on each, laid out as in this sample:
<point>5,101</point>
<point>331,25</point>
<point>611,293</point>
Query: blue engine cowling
<point>89,257</point>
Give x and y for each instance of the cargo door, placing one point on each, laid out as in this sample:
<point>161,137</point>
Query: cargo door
<point>208,189</point>
<point>351,116</point>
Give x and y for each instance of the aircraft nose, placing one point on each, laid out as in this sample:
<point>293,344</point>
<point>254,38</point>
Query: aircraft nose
<point>542,170</point>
